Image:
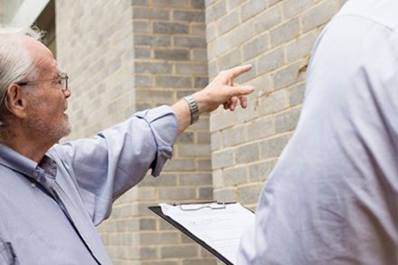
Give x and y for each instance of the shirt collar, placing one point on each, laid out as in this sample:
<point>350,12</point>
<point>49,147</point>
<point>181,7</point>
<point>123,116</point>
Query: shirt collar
<point>17,162</point>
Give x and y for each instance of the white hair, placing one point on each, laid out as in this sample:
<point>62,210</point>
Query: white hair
<point>16,63</point>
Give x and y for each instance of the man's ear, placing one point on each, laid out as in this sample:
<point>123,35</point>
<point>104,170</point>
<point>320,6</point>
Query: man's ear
<point>15,101</point>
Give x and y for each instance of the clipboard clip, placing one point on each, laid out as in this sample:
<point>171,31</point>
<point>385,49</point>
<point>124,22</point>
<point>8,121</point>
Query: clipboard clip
<point>216,205</point>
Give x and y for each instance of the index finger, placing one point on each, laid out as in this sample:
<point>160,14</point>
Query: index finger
<point>237,71</point>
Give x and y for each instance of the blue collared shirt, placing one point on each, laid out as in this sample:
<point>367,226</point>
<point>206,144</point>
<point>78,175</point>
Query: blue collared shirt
<point>332,198</point>
<point>49,210</point>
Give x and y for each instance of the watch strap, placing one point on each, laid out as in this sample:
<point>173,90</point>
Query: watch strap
<point>193,108</point>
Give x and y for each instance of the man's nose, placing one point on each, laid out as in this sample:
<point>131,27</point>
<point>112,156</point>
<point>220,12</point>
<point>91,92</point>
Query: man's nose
<point>67,93</point>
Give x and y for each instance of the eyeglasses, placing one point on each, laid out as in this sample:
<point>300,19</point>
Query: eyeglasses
<point>61,81</point>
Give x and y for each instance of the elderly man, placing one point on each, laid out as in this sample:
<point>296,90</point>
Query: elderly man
<point>332,198</point>
<point>52,195</point>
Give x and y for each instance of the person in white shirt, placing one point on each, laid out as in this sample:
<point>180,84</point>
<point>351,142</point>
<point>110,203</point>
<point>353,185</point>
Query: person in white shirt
<point>332,198</point>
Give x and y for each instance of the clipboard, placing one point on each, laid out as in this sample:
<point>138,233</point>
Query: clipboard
<point>158,211</point>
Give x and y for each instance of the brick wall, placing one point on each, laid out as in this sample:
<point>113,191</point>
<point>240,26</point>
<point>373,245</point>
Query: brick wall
<point>1,12</point>
<point>94,47</point>
<point>171,62</point>
<point>276,38</point>
<point>152,52</point>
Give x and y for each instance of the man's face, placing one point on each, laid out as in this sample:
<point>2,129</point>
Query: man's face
<point>46,102</point>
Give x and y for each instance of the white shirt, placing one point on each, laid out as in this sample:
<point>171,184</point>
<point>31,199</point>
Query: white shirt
<point>333,196</point>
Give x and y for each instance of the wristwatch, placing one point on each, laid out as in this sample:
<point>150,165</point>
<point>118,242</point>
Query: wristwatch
<point>193,108</point>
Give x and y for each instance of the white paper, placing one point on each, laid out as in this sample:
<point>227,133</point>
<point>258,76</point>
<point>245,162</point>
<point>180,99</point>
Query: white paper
<point>220,228</point>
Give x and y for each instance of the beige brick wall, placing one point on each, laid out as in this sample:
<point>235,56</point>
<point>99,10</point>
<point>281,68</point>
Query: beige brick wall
<point>94,45</point>
<point>171,62</point>
<point>1,12</point>
<point>124,56</point>
<point>276,37</point>
<point>95,48</point>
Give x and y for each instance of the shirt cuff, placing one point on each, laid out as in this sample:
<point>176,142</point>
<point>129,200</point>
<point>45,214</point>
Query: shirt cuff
<point>163,124</point>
